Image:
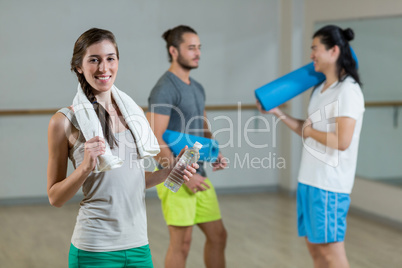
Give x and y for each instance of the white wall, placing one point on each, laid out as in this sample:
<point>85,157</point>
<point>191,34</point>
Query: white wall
<point>292,31</point>
<point>239,53</point>
<point>239,45</point>
<point>377,198</point>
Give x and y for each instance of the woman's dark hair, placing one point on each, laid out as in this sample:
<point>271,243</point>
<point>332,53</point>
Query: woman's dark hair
<point>332,35</point>
<point>174,37</point>
<point>90,37</point>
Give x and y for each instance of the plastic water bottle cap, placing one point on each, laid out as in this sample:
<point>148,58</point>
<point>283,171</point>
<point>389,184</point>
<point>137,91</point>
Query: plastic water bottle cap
<point>197,145</point>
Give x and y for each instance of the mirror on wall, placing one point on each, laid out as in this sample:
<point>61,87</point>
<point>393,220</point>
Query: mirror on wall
<point>378,43</point>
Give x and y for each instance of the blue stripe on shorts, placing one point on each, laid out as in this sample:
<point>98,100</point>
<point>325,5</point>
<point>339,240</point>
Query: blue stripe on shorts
<point>321,214</point>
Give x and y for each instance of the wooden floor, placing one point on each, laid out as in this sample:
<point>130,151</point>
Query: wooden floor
<point>261,228</point>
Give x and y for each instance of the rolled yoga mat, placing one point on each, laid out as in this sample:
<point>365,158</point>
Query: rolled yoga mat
<point>290,85</point>
<point>177,140</point>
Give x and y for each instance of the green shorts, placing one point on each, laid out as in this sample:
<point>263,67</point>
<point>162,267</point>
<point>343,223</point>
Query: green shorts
<point>130,258</point>
<point>185,208</point>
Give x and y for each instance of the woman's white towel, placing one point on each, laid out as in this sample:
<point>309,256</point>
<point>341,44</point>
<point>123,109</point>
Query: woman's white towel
<point>134,117</point>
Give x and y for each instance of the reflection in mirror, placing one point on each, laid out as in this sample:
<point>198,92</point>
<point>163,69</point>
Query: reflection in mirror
<point>378,43</point>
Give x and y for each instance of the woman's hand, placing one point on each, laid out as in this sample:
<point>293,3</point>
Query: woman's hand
<point>190,169</point>
<point>93,148</point>
<point>307,127</point>
<point>272,111</point>
<point>154,178</point>
<point>197,182</point>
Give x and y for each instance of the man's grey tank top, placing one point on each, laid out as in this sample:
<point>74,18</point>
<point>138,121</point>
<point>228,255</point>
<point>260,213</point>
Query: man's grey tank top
<point>112,215</point>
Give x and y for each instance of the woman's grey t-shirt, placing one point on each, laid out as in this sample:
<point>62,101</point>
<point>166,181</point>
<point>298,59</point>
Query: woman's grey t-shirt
<point>112,214</point>
<point>182,102</point>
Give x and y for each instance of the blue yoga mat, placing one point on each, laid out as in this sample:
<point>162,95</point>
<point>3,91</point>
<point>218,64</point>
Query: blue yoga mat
<point>290,85</point>
<point>177,140</point>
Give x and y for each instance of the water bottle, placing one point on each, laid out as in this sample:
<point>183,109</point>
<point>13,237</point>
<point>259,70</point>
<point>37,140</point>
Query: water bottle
<point>175,178</point>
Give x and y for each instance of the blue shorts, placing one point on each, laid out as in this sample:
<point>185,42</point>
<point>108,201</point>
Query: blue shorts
<point>321,214</point>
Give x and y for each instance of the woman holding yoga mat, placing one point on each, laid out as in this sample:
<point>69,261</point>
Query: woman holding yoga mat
<point>330,145</point>
<point>107,150</point>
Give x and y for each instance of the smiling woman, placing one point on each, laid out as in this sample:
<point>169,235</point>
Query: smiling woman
<point>100,65</point>
<point>330,138</point>
<point>111,227</point>
<point>96,64</point>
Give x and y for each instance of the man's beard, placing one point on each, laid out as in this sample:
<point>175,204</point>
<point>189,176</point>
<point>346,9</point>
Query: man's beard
<point>184,64</point>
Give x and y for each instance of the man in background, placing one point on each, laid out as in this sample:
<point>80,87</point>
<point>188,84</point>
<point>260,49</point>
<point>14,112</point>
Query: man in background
<point>177,102</point>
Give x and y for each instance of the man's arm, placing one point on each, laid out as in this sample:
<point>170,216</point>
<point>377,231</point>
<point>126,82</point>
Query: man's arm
<point>220,162</point>
<point>207,131</point>
<point>159,123</point>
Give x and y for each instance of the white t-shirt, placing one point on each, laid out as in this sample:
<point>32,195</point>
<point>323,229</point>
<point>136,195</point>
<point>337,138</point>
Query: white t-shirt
<point>323,167</point>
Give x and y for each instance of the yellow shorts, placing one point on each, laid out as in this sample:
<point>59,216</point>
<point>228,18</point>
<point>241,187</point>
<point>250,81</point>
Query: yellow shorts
<point>185,208</point>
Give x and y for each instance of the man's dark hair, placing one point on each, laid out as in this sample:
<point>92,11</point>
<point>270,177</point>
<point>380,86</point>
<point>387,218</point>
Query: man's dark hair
<point>174,37</point>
